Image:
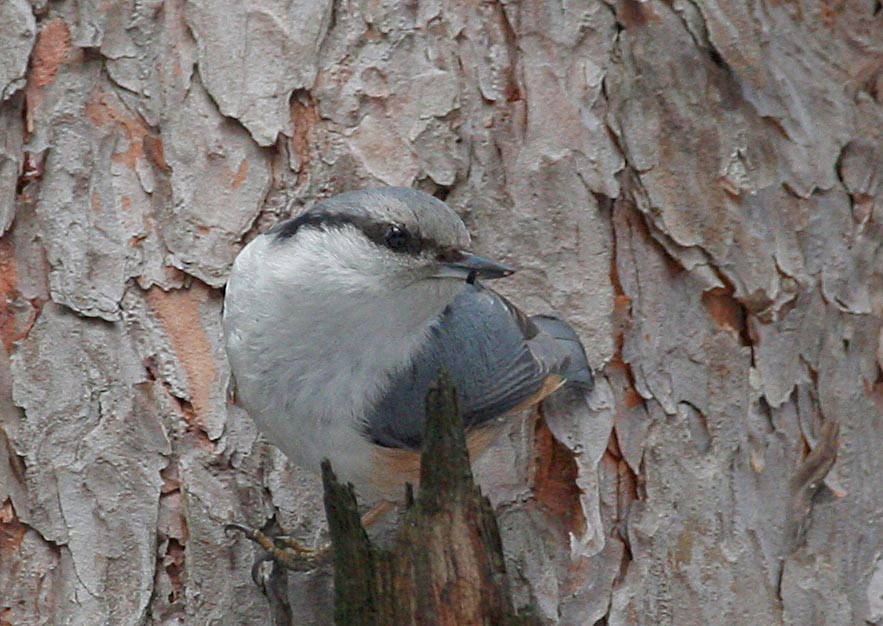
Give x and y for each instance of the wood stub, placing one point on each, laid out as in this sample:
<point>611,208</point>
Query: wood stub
<point>445,567</point>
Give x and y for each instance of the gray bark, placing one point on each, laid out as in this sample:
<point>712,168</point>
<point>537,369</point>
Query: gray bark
<point>698,186</point>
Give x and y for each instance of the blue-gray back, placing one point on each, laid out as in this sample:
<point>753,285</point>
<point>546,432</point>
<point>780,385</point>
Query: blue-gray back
<point>496,356</point>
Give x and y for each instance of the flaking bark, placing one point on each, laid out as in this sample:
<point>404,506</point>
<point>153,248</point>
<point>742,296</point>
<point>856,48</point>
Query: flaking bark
<point>695,185</point>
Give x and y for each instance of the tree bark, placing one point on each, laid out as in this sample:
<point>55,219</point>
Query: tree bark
<point>695,185</point>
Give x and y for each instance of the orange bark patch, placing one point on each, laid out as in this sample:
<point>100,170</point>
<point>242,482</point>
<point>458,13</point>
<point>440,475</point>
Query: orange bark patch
<point>725,309</point>
<point>633,13</point>
<point>304,118</point>
<point>630,394</point>
<point>102,110</point>
<point>622,306</point>
<point>179,313</point>
<point>554,486</point>
<point>241,175</point>
<point>632,398</point>
<point>12,531</point>
<point>153,148</point>
<point>8,270</point>
<point>52,47</point>
<point>9,332</point>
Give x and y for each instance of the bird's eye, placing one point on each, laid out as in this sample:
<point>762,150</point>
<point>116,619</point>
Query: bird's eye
<point>396,237</point>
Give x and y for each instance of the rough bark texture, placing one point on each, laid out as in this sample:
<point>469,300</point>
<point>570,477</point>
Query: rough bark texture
<point>698,186</point>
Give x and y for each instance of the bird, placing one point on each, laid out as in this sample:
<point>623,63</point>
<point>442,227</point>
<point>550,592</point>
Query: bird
<point>338,321</point>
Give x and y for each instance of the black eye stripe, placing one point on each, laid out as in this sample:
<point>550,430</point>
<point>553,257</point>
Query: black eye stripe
<point>377,232</point>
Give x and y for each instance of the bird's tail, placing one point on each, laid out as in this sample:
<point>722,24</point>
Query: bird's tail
<point>575,368</point>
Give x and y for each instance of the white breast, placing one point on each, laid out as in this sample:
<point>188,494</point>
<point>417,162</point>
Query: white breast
<point>313,337</point>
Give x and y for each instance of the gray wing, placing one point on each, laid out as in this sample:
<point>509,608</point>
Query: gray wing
<point>497,357</point>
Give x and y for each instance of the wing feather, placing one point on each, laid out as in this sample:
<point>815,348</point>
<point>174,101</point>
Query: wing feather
<point>497,357</point>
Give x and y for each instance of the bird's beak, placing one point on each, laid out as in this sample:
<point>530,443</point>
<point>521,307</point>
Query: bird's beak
<point>468,266</point>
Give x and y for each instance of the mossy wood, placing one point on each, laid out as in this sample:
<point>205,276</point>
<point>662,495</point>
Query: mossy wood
<point>446,565</point>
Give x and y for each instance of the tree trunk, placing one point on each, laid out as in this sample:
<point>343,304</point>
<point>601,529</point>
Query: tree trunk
<point>697,186</point>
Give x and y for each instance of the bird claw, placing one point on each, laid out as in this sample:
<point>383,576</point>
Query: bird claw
<point>282,550</point>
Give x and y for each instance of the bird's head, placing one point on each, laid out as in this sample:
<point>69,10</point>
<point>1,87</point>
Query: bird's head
<point>379,242</point>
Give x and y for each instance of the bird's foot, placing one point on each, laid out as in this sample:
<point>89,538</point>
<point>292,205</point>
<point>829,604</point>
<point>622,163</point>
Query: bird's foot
<point>283,550</point>
<point>289,553</point>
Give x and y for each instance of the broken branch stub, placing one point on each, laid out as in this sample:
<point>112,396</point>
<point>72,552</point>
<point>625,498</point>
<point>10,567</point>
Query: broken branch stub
<point>445,567</point>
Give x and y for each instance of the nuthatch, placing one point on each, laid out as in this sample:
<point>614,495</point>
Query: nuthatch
<point>337,321</point>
